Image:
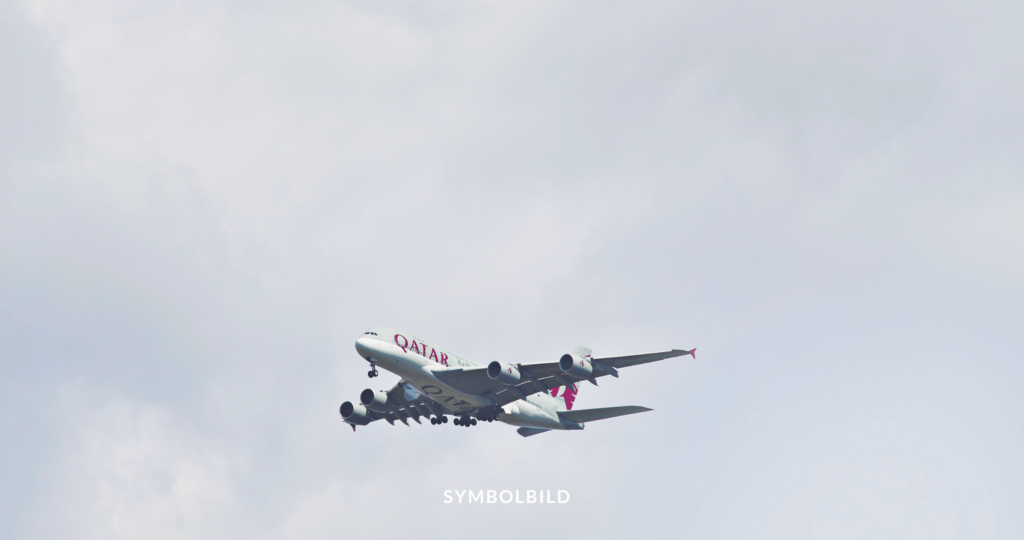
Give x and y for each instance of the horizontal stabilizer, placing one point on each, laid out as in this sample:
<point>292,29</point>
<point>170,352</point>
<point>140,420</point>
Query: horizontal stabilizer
<point>590,415</point>
<point>528,431</point>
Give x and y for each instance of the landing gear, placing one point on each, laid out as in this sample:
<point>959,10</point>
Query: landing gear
<point>465,421</point>
<point>438,420</point>
<point>489,414</point>
<point>373,368</point>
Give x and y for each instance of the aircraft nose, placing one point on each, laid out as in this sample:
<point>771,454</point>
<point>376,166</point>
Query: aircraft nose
<point>364,346</point>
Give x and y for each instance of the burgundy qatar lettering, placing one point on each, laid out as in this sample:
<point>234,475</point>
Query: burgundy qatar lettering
<point>421,349</point>
<point>403,347</point>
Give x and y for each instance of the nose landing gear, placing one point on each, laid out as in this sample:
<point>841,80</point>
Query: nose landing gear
<point>373,368</point>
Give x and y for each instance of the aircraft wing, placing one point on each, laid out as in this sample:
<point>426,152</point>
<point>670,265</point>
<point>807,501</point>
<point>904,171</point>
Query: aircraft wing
<point>548,369</point>
<point>407,403</point>
<point>473,380</point>
<point>637,359</point>
<point>543,376</point>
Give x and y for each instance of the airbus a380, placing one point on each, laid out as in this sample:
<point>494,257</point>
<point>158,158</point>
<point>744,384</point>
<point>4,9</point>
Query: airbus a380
<point>437,383</point>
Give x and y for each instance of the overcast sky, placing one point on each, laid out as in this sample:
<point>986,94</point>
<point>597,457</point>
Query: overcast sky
<point>203,204</point>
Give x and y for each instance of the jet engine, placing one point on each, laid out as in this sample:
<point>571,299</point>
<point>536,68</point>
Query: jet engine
<point>576,366</point>
<point>506,374</point>
<point>375,400</point>
<point>354,414</point>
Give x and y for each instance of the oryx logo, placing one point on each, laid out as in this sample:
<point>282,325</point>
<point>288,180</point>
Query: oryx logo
<point>568,394</point>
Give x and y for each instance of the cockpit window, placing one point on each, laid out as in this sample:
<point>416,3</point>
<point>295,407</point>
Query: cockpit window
<point>371,333</point>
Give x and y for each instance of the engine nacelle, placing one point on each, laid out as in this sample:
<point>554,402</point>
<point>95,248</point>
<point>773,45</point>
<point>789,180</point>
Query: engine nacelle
<point>506,374</point>
<point>375,400</point>
<point>576,366</point>
<point>354,414</point>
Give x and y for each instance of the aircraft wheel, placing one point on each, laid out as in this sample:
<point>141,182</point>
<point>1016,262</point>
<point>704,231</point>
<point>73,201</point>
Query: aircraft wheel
<point>456,422</point>
<point>444,419</point>
<point>369,374</point>
<point>473,421</point>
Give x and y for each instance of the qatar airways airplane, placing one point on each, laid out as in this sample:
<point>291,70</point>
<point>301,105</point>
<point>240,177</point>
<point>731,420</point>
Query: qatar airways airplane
<point>437,383</point>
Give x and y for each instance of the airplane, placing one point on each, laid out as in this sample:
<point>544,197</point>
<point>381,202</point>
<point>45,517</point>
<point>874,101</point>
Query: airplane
<point>437,383</point>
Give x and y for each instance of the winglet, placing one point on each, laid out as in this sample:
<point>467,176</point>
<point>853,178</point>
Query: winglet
<point>693,353</point>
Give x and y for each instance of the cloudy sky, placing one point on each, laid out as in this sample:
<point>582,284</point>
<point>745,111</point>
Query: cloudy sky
<point>203,204</point>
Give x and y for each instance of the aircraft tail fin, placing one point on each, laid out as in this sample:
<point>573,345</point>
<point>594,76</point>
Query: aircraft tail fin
<point>564,396</point>
<point>568,393</point>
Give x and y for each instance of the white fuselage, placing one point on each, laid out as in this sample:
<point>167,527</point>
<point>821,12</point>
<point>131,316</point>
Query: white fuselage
<point>415,360</point>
